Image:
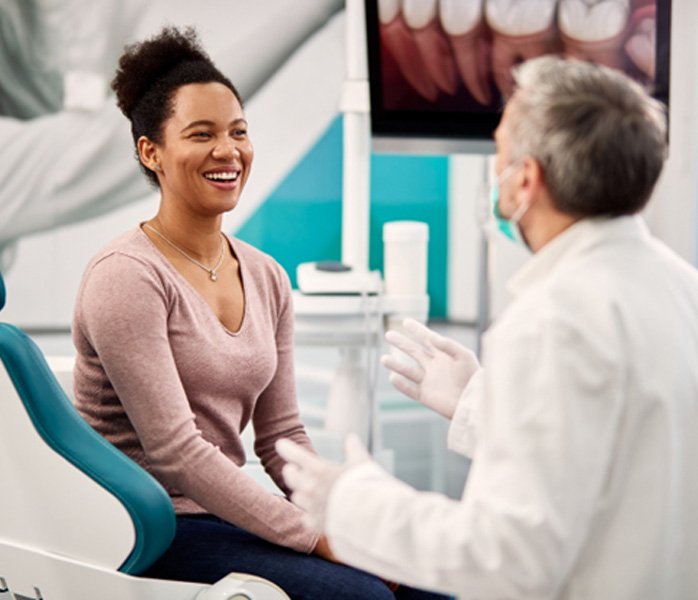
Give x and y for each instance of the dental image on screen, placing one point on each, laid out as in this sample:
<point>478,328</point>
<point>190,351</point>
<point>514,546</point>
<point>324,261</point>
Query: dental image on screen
<point>454,57</point>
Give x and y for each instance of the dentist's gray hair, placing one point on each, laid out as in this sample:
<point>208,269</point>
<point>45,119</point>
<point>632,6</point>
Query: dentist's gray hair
<point>599,137</point>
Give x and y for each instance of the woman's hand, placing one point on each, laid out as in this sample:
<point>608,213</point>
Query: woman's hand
<point>322,549</point>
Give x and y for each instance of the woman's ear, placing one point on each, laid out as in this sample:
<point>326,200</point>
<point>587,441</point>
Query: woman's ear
<point>148,153</point>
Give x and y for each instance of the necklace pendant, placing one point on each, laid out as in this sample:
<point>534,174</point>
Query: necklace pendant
<point>214,277</point>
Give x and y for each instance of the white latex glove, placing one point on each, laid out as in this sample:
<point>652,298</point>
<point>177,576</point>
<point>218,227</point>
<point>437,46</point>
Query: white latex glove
<point>311,478</point>
<point>442,370</point>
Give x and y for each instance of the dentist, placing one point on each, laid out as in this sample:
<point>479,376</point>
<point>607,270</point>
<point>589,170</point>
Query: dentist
<point>581,422</point>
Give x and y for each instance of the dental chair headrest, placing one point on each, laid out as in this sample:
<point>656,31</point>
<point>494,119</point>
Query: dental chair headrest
<point>2,292</point>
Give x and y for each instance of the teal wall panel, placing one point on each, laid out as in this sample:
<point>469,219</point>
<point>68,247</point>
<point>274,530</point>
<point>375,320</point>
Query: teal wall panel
<point>413,188</point>
<point>301,219</point>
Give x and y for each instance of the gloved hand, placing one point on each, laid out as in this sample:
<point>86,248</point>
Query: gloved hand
<point>442,370</point>
<point>311,478</point>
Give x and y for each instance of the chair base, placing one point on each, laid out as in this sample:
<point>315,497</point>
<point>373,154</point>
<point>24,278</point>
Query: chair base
<point>40,575</point>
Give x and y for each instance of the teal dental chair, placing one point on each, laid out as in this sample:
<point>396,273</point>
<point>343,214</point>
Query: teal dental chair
<point>78,519</point>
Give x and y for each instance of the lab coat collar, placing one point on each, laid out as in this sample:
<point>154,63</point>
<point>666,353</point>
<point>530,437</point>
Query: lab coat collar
<point>577,238</point>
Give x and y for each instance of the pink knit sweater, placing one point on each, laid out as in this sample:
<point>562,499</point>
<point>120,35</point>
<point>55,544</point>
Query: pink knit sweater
<point>161,378</point>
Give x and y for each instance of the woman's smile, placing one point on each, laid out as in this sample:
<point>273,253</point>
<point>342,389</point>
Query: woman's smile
<point>223,178</point>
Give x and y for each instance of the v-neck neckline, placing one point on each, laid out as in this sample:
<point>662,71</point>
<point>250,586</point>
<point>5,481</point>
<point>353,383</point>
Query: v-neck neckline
<point>186,282</point>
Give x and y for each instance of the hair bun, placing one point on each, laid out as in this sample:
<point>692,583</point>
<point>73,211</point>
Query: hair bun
<point>143,63</point>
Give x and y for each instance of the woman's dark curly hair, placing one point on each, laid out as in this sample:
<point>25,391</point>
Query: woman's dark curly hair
<point>150,73</point>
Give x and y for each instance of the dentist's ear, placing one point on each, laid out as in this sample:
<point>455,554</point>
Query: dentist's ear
<point>530,180</point>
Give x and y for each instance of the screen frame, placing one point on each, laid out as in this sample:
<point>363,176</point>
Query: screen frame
<point>443,132</point>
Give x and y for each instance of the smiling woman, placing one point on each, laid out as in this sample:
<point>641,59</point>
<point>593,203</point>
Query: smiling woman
<point>208,154</point>
<point>184,336</point>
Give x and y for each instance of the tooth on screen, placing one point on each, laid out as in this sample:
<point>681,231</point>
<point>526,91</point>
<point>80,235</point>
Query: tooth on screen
<point>640,47</point>
<point>462,22</point>
<point>472,53</point>
<point>418,13</point>
<point>438,56</point>
<point>399,41</point>
<point>460,16</point>
<point>593,20</point>
<point>519,17</point>
<point>388,10</point>
<point>522,29</point>
<point>421,17</point>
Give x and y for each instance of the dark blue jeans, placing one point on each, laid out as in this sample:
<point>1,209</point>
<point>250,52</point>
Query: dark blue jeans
<point>205,549</point>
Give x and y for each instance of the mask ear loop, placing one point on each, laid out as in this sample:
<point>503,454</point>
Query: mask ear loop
<point>513,229</point>
<point>507,172</point>
<point>521,208</point>
<point>518,213</point>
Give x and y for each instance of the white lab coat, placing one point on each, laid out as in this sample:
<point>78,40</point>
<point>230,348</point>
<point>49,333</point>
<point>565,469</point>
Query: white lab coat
<point>583,429</point>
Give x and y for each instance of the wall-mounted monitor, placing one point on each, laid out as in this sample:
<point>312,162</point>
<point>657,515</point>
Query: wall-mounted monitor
<point>439,70</point>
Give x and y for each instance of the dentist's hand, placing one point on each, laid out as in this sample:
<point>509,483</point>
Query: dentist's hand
<point>442,370</point>
<point>311,478</point>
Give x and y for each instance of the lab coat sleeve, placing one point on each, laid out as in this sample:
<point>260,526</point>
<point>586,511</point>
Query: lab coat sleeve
<point>466,422</point>
<point>550,414</point>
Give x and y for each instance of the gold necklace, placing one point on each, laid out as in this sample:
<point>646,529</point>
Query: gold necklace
<point>212,271</point>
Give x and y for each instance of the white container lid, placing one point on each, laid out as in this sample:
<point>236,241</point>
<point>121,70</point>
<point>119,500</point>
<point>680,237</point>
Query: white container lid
<point>405,231</point>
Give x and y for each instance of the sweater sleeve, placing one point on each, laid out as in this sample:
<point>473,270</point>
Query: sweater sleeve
<point>123,309</point>
<point>276,414</point>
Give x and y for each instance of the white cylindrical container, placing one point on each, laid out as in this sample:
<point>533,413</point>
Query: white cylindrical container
<point>405,258</point>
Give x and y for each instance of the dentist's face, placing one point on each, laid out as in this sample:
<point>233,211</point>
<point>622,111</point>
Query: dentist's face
<point>206,155</point>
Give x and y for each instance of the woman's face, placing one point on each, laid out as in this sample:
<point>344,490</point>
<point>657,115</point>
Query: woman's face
<point>206,154</point>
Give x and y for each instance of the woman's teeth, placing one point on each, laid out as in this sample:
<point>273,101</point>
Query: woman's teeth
<point>221,176</point>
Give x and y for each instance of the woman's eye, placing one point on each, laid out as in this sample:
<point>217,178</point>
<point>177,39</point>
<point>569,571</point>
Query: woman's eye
<point>239,133</point>
<point>201,134</point>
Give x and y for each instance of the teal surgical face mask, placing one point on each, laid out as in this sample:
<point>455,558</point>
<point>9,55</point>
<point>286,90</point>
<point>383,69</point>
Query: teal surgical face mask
<point>509,227</point>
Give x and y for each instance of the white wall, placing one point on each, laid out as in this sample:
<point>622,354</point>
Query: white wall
<point>673,212</point>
